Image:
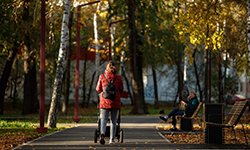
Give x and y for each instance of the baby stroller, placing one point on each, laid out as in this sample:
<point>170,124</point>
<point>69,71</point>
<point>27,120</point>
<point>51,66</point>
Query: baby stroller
<point>119,131</point>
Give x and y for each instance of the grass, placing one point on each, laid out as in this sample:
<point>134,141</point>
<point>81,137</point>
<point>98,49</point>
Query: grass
<point>15,124</point>
<point>21,125</point>
<point>86,115</point>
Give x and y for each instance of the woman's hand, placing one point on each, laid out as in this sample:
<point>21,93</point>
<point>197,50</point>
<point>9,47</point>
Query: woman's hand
<point>183,103</point>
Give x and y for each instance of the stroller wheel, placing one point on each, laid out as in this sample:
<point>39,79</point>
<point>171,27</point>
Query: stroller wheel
<point>121,136</point>
<point>96,135</point>
<point>102,141</point>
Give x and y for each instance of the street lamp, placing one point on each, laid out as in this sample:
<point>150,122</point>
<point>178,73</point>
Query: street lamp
<point>42,129</point>
<point>78,47</point>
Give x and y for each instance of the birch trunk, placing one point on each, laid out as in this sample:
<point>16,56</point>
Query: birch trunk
<point>57,87</point>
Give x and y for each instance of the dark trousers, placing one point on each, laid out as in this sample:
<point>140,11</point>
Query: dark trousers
<point>175,112</point>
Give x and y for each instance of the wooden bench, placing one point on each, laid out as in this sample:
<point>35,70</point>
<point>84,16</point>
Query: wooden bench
<point>188,121</point>
<point>233,118</point>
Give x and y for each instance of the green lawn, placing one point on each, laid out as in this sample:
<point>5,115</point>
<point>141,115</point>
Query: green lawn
<point>86,115</point>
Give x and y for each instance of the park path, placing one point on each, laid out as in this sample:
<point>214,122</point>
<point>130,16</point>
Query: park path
<point>140,132</point>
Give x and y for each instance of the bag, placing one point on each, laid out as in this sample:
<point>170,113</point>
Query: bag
<point>109,92</point>
<point>182,106</point>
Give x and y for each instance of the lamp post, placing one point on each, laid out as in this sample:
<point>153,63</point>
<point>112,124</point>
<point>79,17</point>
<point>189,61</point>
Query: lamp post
<point>76,119</point>
<point>42,129</point>
<point>76,110</point>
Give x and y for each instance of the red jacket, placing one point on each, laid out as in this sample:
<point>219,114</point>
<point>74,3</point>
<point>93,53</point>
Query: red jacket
<point>102,83</point>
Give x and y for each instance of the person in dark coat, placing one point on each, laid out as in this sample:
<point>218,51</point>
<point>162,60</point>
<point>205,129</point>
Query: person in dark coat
<point>186,108</point>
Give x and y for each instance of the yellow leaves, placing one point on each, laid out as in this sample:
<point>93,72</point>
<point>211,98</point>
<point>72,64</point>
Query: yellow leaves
<point>216,41</point>
<point>13,137</point>
<point>18,4</point>
<point>181,33</point>
<point>194,33</point>
<point>103,14</point>
<point>199,137</point>
<point>196,38</point>
<point>203,24</point>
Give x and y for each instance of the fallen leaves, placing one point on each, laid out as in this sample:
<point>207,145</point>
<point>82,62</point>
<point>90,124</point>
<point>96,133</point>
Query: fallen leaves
<point>13,137</point>
<point>199,137</point>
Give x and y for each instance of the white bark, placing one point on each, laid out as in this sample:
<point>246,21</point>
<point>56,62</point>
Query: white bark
<point>57,87</point>
<point>96,41</point>
<point>112,36</point>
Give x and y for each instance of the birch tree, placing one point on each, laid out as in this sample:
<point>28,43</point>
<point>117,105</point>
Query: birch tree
<point>57,87</point>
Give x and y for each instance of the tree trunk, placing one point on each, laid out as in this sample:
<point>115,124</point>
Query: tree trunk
<point>90,88</point>
<point>30,101</point>
<point>136,63</point>
<point>14,95</point>
<point>5,76</point>
<point>127,83</point>
<point>155,87</point>
<point>197,76</point>
<point>207,90</point>
<point>209,76</point>
<point>220,82</point>
<point>206,77</point>
<point>67,70</point>
<point>57,87</point>
<point>180,76</point>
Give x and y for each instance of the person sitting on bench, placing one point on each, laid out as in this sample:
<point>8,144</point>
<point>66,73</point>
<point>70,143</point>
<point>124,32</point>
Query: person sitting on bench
<point>186,108</point>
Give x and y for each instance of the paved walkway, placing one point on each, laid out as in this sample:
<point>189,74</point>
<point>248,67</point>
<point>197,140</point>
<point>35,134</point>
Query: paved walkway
<point>139,133</point>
